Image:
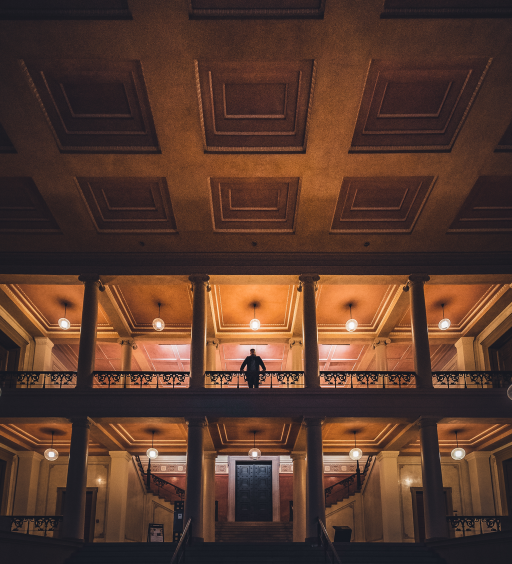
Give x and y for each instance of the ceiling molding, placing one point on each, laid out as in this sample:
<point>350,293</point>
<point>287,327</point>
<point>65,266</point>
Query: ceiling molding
<point>253,9</point>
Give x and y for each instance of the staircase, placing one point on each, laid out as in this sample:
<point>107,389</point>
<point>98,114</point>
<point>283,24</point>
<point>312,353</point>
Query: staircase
<point>386,553</point>
<point>123,553</point>
<point>253,532</point>
<point>254,553</point>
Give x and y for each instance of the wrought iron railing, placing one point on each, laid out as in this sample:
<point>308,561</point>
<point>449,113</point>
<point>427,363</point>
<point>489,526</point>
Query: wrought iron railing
<point>348,486</point>
<point>472,379</point>
<point>325,542</point>
<point>163,488</point>
<point>368,379</point>
<point>267,379</point>
<point>186,536</point>
<point>476,525</point>
<point>31,379</point>
<point>141,380</point>
<point>40,524</point>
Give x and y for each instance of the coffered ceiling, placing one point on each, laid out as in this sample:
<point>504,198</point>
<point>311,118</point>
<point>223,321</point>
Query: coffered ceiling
<point>246,129</point>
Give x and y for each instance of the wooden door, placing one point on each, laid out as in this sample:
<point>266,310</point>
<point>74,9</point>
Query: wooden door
<point>507,474</point>
<point>253,491</point>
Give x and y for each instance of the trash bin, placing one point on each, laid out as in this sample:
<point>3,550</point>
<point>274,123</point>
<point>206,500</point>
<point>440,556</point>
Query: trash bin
<point>342,533</point>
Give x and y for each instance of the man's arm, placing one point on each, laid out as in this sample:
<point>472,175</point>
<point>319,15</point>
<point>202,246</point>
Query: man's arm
<point>244,364</point>
<point>261,363</point>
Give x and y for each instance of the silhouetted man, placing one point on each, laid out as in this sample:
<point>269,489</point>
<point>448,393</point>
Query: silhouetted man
<point>253,364</point>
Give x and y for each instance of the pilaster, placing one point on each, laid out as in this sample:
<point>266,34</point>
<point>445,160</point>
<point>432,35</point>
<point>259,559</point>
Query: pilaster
<point>26,483</point>
<point>482,495</point>
<point>390,496</point>
<point>117,495</point>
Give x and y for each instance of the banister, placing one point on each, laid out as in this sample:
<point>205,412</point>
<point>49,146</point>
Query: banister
<point>326,542</point>
<point>182,545</point>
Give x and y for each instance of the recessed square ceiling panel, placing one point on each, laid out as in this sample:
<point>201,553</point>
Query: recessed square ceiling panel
<point>256,9</point>
<point>22,208</point>
<point>65,10</point>
<point>93,105</point>
<point>128,204</point>
<point>380,204</point>
<point>446,9</point>
<point>410,106</point>
<point>505,144</point>
<point>254,204</point>
<point>6,145</point>
<point>488,206</point>
<point>255,106</point>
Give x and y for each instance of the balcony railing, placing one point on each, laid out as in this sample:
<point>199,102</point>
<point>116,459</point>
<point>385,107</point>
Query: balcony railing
<point>478,525</point>
<point>269,379</point>
<point>34,524</point>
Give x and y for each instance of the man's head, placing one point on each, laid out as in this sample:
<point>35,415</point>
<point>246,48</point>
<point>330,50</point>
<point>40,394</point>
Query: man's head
<point>253,351</point>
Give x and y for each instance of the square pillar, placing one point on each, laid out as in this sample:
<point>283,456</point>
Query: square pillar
<point>299,496</point>
<point>465,354</point>
<point>27,481</point>
<point>390,496</point>
<point>42,354</point>
<point>481,483</point>
<point>209,496</point>
<point>117,495</point>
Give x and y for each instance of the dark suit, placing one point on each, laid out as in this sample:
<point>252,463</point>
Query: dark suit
<point>253,364</point>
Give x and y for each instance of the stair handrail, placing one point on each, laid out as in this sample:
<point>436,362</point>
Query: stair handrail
<point>182,545</point>
<point>158,481</point>
<point>325,542</point>
<point>349,480</point>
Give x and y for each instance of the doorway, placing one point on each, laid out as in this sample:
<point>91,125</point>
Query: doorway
<point>253,491</point>
<point>90,510</point>
<point>507,475</point>
<point>419,511</point>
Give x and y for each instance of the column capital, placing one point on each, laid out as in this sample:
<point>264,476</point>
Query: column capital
<point>92,278</point>
<point>295,342</point>
<point>427,422</point>
<point>418,278</point>
<point>80,422</point>
<point>29,454</point>
<point>313,421</point>
<point>128,343</point>
<point>309,278</point>
<point>199,278</point>
<point>214,342</point>
<point>210,455</point>
<point>483,455</point>
<point>388,454</point>
<point>299,455</point>
<point>120,455</point>
<point>196,422</point>
<point>380,343</point>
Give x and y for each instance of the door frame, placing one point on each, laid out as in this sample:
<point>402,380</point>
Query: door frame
<point>276,500</point>
<point>449,503</point>
<point>92,525</point>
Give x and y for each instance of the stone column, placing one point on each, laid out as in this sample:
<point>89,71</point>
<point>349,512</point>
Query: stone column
<point>25,496</point>
<point>209,496</point>
<point>117,495</point>
<point>42,354</point>
<point>420,331</point>
<point>465,354</point>
<point>381,356</point>
<point>194,494</point>
<point>310,331</point>
<point>390,496</point>
<point>482,494</point>
<point>433,496</point>
<point>87,348</point>
<point>198,339</point>
<point>74,506</point>
<point>299,496</point>
<point>127,348</point>
<point>315,506</point>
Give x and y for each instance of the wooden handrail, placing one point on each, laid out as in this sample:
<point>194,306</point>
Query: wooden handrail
<point>326,542</point>
<point>178,553</point>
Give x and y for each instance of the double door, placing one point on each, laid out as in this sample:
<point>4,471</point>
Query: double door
<point>253,493</point>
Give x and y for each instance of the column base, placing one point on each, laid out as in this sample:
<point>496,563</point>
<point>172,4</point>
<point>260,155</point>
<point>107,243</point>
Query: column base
<point>196,540</point>
<point>313,541</point>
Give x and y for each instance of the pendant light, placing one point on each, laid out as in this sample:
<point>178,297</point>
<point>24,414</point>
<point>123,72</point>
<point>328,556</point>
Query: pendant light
<point>254,324</point>
<point>445,323</point>
<point>158,323</point>
<point>152,453</point>
<point>458,453</point>
<point>50,453</point>
<point>509,392</point>
<point>355,453</point>
<point>351,324</point>
<point>255,453</point>
<point>63,322</point>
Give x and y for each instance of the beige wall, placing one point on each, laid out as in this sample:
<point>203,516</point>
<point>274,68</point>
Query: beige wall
<point>372,506</point>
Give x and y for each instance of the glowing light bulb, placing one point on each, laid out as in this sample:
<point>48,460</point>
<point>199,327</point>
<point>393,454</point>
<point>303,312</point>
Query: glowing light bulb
<point>351,325</point>
<point>355,454</point>
<point>458,453</point>
<point>509,392</point>
<point>158,324</point>
<point>255,453</point>
<point>51,454</point>
<point>444,324</point>
<point>254,324</point>
<point>64,323</point>
<point>152,453</point>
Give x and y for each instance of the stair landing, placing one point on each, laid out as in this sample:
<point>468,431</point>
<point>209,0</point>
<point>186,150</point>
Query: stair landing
<point>253,531</point>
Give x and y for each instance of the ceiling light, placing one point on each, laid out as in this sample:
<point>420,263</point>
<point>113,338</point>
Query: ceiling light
<point>152,453</point>
<point>50,453</point>
<point>458,453</point>
<point>351,324</point>
<point>509,392</point>
<point>254,324</point>
<point>63,322</point>
<point>445,323</point>
<point>158,323</point>
<point>255,453</point>
<point>355,453</point>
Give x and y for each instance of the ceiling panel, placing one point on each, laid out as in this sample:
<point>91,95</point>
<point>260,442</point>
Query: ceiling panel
<point>108,356</point>
<point>273,355</point>
<point>201,9</point>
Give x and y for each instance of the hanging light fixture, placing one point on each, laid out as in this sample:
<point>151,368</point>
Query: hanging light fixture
<point>50,453</point>
<point>458,453</point>
<point>445,323</point>
<point>63,322</point>
<point>255,453</point>
<point>355,453</point>
<point>509,392</point>
<point>158,323</point>
<point>351,324</point>
<point>152,453</point>
<point>254,324</point>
